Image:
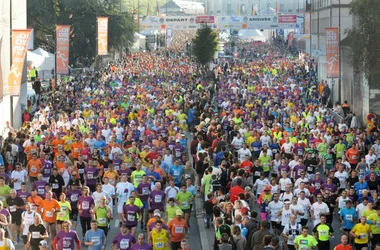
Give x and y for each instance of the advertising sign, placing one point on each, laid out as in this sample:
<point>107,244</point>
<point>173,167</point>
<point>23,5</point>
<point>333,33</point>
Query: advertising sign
<point>332,52</point>
<point>63,45</point>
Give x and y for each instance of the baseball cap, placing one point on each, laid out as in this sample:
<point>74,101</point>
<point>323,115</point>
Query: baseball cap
<point>157,213</point>
<point>244,210</point>
<point>179,212</point>
<point>361,176</point>
<point>317,173</point>
<point>43,243</point>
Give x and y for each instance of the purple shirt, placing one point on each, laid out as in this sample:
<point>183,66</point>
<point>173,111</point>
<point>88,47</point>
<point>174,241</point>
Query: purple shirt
<point>130,214</point>
<point>317,186</point>
<point>91,174</point>
<point>47,168</point>
<point>283,168</point>
<point>143,247</point>
<point>40,187</point>
<point>23,195</point>
<point>6,177</point>
<point>298,170</point>
<point>66,240</point>
<point>330,187</point>
<point>85,204</point>
<point>144,189</point>
<point>178,150</point>
<point>117,163</point>
<point>73,197</point>
<point>157,200</point>
<point>5,212</point>
<point>124,242</point>
<point>126,171</point>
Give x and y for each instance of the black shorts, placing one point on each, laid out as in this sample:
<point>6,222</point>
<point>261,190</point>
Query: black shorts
<point>276,225</point>
<point>16,220</point>
<point>360,246</point>
<point>105,230</point>
<point>186,211</point>
<point>132,226</point>
<point>67,152</point>
<point>33,179</point>
<point>74,215</point>
<point>60,222</point>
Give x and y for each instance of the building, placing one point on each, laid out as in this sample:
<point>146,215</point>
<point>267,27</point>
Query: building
<point>12,16</point>
<point>182,8</point>
<point>247,7</point>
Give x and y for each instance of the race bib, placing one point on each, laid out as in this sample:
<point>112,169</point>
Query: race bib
<point>158,198</point>
<point>145,191</point>
<point>49,214</point>
<point>96,240</point>
<point>179,230</point>
<point>2,198</point>
<point>12,209</point>
<point>74,197</point>
<point>309,169</point>
<point>176,173</point>
<point>323,233</point>
<point>33,169</point>
<point>363,236</point>
<point>124,244</point>
<point>62,214</point>
<point>55,186</point>
<point>187,176</point>
<point>177,153</point>
<point>257,173</point>
<point>160,245</point>
<point>90,175</point>
<point>102,220</point>
<point>47,171</point>
<point>131,217</point>
<point>81,170</point>
<point>36,235</point>
<point>85,205</point>
<point>185,204</point>
<point>41,191</point>
<point>378,223</point>
<point>349,217</point>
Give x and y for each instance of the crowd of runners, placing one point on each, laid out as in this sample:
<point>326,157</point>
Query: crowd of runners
<point>138,141</point>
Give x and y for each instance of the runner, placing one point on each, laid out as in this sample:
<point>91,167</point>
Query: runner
<point>66,238</point>
<point>125,240</point>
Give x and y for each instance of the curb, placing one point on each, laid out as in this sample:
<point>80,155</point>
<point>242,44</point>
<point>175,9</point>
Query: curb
<point>205,244</point>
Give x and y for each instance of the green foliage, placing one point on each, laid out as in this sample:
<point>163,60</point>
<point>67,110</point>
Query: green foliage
<point>141,6</point>
<point>43,15</point>
<point>205,44</point>
<point>364,39</point>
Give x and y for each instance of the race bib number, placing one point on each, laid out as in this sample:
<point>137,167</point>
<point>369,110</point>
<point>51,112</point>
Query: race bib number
<point>74,197</point>
<point>378,223</point>
<point>124,244</point>
<point>257,173</point>
<point>176,173</point>
<point>34,169</point>
<point>90,175</point>
<point>145,191</point>
<point>55,186</point>
<point>12,209</point>
<point>36,235</point>
<point>177,153</point>
<point>363,236</point>
<point>62,214</point>
<point>41,191</point>
<point>323,233</point>
<point>102,220</point>
<point>49,214</point>
<point>349,217</point>
<point>85,205</point>
<point>96,240</point>
<point>179,230</point>
<point>81,170</point>
<point>158,198</point>
<point>185,204</point>
<point>160,245</point>
<point>310,169</point>
<point>131,217</point>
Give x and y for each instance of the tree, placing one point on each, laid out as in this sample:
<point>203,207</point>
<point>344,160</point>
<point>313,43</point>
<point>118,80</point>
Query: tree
<point>205,44</point>
<point>364,36</point>
<point>44,15</point>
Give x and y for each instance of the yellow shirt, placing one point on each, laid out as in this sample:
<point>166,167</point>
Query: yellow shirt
<point>160,240</point>
<point>86,114</point>
<point>368,212</point>
<point>362,231</point>
<point>68,142</point>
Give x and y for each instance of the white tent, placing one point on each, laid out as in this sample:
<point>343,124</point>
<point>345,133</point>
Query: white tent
<point>43,53</point>
<point>138,43</point>
<point>43,61</point>
<point>255,35</point>
<point>35,59</point>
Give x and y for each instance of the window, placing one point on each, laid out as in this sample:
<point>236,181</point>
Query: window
<point>229,8</point>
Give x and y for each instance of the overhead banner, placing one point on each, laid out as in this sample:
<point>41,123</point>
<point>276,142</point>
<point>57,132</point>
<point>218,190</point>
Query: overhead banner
<point>307,23</point>
<point>20,39</point>
<point>332,52</point>
<point>177,22</point>
<point>220,22</point>
<point>62,53</point>
<point>102,36</point>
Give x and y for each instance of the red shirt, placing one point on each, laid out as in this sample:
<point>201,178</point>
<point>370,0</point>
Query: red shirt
<point>341,247</point>
<point>246,165</point>
<point>234,192</point>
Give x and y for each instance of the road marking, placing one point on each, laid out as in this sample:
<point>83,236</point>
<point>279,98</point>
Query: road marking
<point>117,223</point>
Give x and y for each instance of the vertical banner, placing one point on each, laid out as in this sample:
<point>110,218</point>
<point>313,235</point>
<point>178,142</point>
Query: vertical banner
<point>62,53</point>
<point>20,39</point>
<point>102,36</point>
<point>307,23</point>
<point>332,52</point>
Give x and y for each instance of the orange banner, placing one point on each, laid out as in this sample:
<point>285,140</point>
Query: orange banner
<point>20,39</point>
<point>63,45</point>
<point>102,36</point>
<point>332,52</point>
<point>307,23</point>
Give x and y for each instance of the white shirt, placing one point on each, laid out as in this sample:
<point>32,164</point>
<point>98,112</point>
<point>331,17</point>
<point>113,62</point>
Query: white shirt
<point>119,132</point>
<point>288,230</point>
<point>286,196</point>
<point>297,208</point>
<point>171,192</point>
<point>319,209</point>
<point>20,176</point>
<point>360,209</point>
<point>260,184</point>
<point>243,153</point>
<point>342,178</point>
<point>305,203</point>
<point>123,190</point>
<point>237,143</point>
<point>287,147</point>
<point>285,216</point>
<point>96,195</point>
<point>284,182</point>
<point>90,143</point>
<point>370,159</point>
<point>298,191</point>
<point>265,140</point>
<point>274,208</point>
<point>299,180</point>
<point>109,189</point>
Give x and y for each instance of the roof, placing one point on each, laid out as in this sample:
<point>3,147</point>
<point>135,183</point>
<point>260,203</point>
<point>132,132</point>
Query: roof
<point>187,7</point>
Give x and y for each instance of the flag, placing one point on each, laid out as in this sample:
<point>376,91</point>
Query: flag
<point>276,7</point>
<point>62,49</point>
<point>238,9</point>
<point>252,11</point>
<point>148,10</point>
<point>157,9</point>
<point>102,36</point>
<point>20,39</point>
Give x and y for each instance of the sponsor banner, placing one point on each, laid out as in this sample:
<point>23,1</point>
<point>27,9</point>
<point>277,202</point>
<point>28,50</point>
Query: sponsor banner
<point>307,23</point>
<point>287,19</point>
<point>102,36</point>
<point>63,45</point>
<point>332,52</point>
<point>205,19</point>
<point>20,40</point>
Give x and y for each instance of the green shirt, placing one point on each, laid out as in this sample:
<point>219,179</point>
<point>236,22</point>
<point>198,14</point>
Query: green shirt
<point>328,161</point>
<point>324,231</point>
<point>137,177</point>
<point>339,148</point>
<point>304,243</point>
<point>375,227</point>
<point>207,183</point>
<point>265,162</point>
<point>5,191</point>
<point>322,148</point>
<point>171,210</point>
<point>64,214</point>
<point>102,216</point>
<point>184,199</point>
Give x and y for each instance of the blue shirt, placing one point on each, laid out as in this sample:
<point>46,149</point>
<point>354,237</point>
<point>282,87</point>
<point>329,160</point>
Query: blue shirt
<point>100,145</point>
<point>347,216</point>
<point>360,186</point>
<point>176,172</point>
<point>192,190</point>
<point>96,237</point>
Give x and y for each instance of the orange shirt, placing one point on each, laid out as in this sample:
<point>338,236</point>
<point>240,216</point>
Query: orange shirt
<point>35,201</point>
<point>48,214</point>
<point>76,148</point>
<point>57,143</point>
<point>353,155</point>
<point>34,167</point>
<point>112,175</point>
<point>30,150</point>
<point>153,220</point>
<point>177,229</point>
